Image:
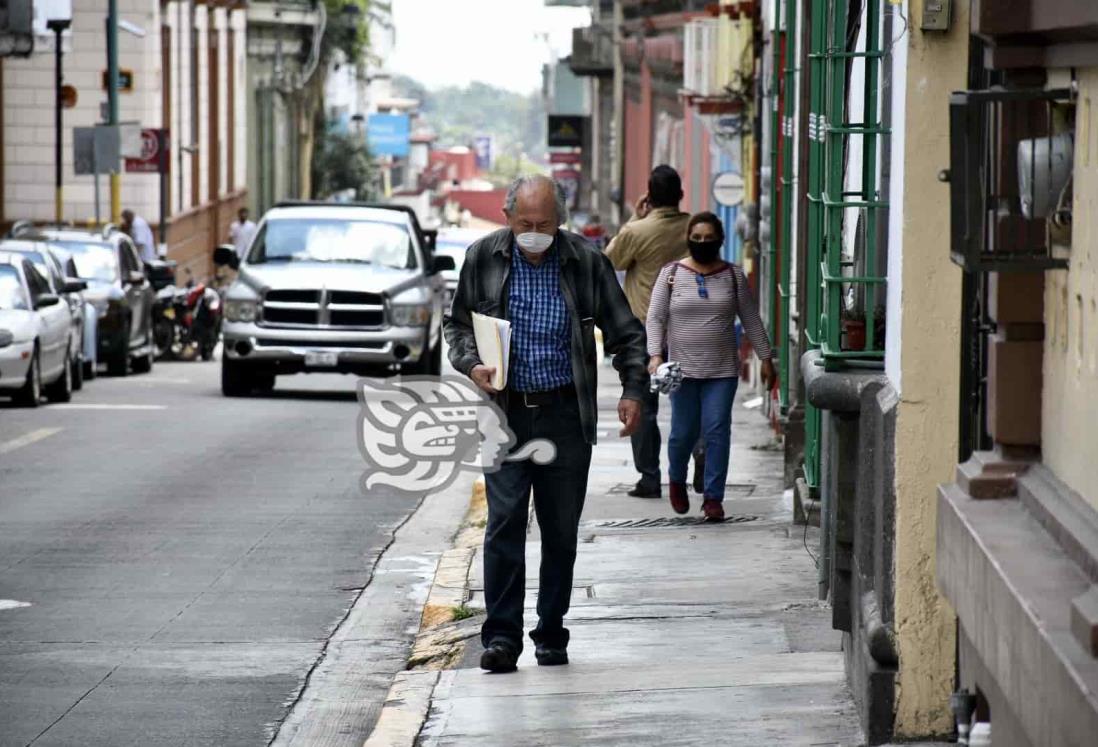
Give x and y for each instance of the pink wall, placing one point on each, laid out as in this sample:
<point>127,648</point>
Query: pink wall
<point>484,204</point>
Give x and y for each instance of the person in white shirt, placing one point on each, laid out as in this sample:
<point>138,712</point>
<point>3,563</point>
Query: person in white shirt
<point>241,231</point>
<point>138,230</point>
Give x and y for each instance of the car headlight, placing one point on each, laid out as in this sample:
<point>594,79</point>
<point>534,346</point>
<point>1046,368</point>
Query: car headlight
<point>241,311</point>
<point>409,316</point>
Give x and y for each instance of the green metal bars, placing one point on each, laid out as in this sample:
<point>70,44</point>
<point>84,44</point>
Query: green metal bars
<point>777,206</point>
<point>845,284</point>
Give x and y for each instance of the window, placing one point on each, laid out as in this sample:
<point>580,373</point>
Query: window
<point>361,242</point>
<point>37,283</point>
<point>13,296</point>
<point>92,261</point>
<point>126,258</point>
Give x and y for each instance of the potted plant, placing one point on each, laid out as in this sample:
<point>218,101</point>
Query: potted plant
<point>853,323</point>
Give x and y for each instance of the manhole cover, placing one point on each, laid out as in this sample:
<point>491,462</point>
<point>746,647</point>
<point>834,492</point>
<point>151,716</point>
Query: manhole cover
<point>670,521</point>
<point>731,490</point>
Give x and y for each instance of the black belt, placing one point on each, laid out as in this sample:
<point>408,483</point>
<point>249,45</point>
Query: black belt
<point>545,398</point>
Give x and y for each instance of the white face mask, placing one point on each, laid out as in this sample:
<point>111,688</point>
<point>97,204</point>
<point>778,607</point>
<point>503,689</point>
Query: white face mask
<point>534,243</point>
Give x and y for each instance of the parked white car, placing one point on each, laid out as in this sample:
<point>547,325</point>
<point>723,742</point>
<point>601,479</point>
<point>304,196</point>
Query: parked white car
<point>36,333</point>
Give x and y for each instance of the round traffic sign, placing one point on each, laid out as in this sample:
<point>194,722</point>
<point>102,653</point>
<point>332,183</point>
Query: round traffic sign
<point>728,189</point>
<point>68,97</point>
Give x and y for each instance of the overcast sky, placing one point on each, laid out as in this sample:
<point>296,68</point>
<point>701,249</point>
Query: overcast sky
<point>456,42</point>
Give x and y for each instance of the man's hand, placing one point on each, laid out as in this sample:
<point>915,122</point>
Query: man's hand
<point>642,208</point>
<point>629,413</point>
<point>653,363</point>
<point>769,375</point>
<point>482,376</point>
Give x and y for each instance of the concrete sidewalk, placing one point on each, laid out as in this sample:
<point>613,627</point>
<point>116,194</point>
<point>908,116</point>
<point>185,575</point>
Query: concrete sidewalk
<point>682,633</point>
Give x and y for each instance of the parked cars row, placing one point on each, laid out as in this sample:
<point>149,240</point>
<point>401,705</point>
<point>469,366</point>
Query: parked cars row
<point>70,299</point>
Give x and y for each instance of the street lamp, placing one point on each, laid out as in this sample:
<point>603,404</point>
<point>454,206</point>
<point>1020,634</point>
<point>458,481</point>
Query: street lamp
<point>60,18</point>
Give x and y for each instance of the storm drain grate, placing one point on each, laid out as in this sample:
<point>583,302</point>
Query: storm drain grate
<point>670,521</point>
<point>731,490</point>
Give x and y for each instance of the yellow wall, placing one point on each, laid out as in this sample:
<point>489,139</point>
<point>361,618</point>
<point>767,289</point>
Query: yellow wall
<point>1069,418</point>
<point>927,423</point>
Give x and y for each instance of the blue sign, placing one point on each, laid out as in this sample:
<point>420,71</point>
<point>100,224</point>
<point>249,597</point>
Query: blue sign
<point>482,146</point>
<point>388,134</point>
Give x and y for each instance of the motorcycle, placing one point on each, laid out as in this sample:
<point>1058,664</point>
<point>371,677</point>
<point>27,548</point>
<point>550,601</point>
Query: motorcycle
<point>187,321</point>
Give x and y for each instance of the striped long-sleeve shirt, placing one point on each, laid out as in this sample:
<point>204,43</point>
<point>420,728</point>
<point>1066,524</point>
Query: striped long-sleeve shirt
<point>693,318</point>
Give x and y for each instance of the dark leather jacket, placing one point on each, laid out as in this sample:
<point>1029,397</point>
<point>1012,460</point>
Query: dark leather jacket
<point>592,296</point>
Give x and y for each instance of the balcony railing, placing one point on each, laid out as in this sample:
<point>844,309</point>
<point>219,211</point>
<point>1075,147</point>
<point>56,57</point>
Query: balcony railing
<point>592,50</point>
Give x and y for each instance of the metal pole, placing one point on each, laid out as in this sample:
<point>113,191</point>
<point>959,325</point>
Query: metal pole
<point>58,197</point>
<point>95,176</point>
<point>162,167</point>
<point>112,102</point>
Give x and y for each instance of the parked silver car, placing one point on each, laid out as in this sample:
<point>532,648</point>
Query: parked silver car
<point>336,287</point>
<point>35,335</point>
<point>63,280</point>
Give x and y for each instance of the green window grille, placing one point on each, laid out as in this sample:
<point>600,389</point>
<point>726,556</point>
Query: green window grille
<point>782,184</point>
<point>845,280</point>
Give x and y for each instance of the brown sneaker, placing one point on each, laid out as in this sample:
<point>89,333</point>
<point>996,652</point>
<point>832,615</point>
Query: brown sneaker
<point>679,499</point>
<point>713,510</point>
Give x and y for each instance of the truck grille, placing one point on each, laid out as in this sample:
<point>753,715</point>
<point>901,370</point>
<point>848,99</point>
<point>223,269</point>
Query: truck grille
<point>323,309</point>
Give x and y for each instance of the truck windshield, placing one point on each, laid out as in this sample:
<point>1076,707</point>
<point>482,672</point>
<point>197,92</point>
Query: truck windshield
<point>364,242</point>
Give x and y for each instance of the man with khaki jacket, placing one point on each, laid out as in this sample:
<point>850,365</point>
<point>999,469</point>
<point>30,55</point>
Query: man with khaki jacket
<point>655,236</point>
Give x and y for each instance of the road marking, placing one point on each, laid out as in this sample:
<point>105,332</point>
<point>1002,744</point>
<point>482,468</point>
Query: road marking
<point>108,407</point>
<point>28,439</point>
<point>11,604</point>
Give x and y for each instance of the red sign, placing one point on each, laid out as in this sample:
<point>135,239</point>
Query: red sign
<point>154,153</point>
<point>564,157</point>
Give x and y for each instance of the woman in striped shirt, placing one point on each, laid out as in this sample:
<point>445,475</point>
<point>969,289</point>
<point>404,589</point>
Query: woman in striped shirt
<point>692,316</point>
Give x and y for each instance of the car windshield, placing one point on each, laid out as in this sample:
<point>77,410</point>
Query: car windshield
<point>94,261</point>
<point>12,295</point>
<point>366,242</point>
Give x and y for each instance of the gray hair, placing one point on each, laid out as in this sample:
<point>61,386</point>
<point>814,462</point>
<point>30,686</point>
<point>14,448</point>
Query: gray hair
<point>529,180</point>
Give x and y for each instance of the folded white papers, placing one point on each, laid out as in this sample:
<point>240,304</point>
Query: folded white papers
<point>493,337</point>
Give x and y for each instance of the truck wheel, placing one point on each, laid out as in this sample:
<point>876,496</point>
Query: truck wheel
<point>236,378</point>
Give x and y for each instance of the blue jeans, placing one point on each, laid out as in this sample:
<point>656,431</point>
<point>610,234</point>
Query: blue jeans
<point>702,406</point>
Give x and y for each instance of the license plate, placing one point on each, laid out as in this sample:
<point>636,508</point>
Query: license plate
<point>321,360</point>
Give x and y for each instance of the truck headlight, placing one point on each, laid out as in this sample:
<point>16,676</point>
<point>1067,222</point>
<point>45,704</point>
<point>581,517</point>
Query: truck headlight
<point>409,316</point>
<point>241,311</point>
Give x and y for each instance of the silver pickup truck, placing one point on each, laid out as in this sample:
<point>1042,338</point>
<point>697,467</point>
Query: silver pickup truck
<point>335,287</point>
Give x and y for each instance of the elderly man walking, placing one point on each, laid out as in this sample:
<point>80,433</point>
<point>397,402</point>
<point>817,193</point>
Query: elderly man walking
<point>654,237</point>
<point>554,287</point>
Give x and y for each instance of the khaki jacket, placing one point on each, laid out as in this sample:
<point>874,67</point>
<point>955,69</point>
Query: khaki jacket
<point>643,247</point>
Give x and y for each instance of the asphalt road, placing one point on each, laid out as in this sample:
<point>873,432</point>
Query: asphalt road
<point>184,556</point>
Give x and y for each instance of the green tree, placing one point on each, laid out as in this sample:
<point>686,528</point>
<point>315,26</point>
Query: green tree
<point>342,162</point>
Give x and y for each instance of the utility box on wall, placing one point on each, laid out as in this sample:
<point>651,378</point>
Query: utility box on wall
<point>935,15</point>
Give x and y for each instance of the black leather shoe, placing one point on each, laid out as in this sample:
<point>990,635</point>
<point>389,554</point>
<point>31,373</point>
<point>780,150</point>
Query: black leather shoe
<point>499,657</point>
<point>639,491</point>
<point>551,656</point>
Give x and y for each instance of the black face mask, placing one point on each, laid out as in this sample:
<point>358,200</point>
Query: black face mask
<point>705,252</point>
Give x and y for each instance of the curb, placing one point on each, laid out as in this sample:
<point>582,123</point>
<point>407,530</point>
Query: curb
<point>441,638</point>
<point>404,711</point>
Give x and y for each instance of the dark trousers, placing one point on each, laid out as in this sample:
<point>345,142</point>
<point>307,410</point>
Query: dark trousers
<point>559,489</point>
<point>646,443</point>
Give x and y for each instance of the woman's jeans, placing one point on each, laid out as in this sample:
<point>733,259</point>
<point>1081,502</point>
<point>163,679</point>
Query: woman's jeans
<point>702,406</point>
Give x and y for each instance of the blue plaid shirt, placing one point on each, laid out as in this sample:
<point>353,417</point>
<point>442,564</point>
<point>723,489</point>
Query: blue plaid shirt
<point>541,356</point>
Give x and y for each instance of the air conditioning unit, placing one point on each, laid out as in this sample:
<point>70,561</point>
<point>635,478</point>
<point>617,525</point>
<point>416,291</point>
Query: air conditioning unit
<point>16,28</point>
